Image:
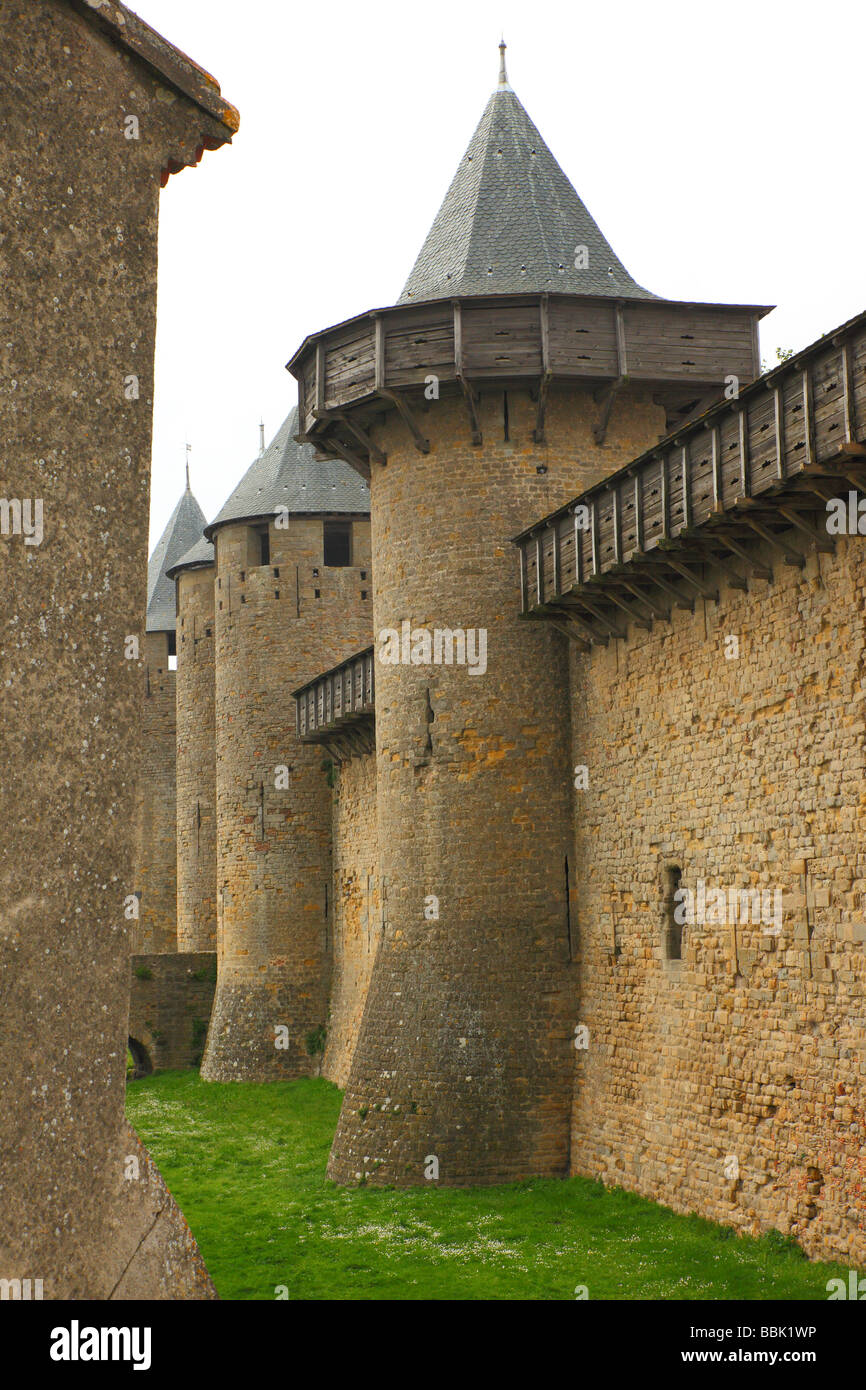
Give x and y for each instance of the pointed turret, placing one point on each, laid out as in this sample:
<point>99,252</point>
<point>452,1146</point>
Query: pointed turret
<point>288,475</point>
<point>184,529</point>
<point>511,222</point>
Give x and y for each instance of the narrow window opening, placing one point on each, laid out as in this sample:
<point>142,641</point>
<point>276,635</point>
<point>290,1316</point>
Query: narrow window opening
<point>337,543</point>
<point>673,932</point>
<point>505,415</point>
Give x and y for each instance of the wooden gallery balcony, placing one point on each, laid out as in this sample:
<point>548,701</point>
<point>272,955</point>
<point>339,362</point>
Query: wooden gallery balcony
<point>338,708</point>
<point>744,485</point>
<point>350,374</point>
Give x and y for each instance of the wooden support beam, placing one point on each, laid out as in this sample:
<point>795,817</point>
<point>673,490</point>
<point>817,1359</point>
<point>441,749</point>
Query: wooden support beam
<point>320,376</point>
<point>717,467</point>
<point>336,446</point>
<point>378,352</point>
<point>597,613</point>
<point>617,526</point>
<point>546,371</point>
<point>472,406</point>
<point>638,510</point>
<point>358,432</point>
<point>791,557</point>
<point>848,393</point>
<point>708,556</point>
<point>539,568</point>
<point>665,497</point>
<point>468,393</point>
<point>691,579</point>
<point>637,618</point>
<point>656,609</point>
<point>758,570</point>
<point>606,400</point>
<point>586,628</point>
<point>743,431</point>
<point>649,572</point>
<point>523,577</point>
<point>422,444</point>
<point>820,541</point>
<point>780,431</point>
<point>808,417</point>
<point>557,557</point>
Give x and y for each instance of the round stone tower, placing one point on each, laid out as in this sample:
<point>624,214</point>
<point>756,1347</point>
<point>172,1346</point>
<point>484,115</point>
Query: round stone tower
<point>194,577</point>
<point>156,850</point>
<point>497,389</point>
<point>293,597</point>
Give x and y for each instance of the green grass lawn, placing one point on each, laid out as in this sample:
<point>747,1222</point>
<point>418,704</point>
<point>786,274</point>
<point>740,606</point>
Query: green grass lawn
<point>247,1165</point>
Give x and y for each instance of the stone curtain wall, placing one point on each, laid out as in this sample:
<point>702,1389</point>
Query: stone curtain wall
<point>196,762</point>
<point>170,1006</point>
<point>156,809</point>
<point>78,265</point>
<point>277,626</point>
<point>464,1053</point>
<point>357,909</point>
<point>731,1083</point>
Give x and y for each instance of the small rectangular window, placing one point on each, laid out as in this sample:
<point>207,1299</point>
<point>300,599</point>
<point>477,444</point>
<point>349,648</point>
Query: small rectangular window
<point>172,663</point>
<point>337,543</point>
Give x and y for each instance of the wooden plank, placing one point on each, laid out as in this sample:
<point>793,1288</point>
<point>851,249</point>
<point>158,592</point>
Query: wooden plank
<point>378,352</point>
<point>320,375</point>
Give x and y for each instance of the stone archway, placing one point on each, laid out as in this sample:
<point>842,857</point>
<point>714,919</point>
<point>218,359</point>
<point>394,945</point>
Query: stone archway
<point>142,1064</point>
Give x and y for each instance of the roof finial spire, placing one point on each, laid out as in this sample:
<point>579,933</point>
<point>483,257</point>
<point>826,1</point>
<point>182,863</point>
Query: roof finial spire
<point>188,447</point>
<point>503,75</point>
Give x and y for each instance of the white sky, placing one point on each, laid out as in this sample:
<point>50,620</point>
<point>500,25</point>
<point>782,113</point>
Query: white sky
<point>717,146</point>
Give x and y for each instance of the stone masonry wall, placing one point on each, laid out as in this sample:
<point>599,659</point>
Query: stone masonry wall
<point>357,909</point>
<point>196,762</point>
<point>170,1006</point>
<point>78,262</point>
<point>730,1083</point>
<point>464,1054</point>
<point>156,807</point>
<point>277,626</point>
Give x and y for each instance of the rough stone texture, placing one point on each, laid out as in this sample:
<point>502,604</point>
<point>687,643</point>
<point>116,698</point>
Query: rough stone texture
<point>78,266</point>
<point>170,1004</point>
<point>464,1051</point>
<point>357,913</point>
<point>196,762</point>
<point>745,772</point>
<point>155,805</point>
<point>277,626</point>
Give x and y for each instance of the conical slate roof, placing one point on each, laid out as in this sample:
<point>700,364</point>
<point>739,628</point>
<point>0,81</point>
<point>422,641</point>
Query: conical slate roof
<point>289,475</point>
<point>184,528</point>
<point>511,221</point>
<point>202,553</point>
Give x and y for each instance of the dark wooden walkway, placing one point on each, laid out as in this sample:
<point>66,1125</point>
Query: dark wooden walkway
<point>337,708</point>
<point>745,484</point>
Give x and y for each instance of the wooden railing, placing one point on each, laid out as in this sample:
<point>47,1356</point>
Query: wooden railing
<point>748,472</point>
<point>338,707</point>
<point>370,363</point>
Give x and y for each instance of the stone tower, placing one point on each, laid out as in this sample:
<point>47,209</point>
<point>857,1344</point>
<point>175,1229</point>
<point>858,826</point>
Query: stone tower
<point>514,371</point>
<point>155,789</point>
<point>293,596</point>
<point>194,576</point>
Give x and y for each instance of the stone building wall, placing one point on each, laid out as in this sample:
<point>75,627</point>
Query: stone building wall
<point>464,1052</point>
<point>79,262</point>
<point>156,808</point>
<point>196,762</point>
<point>169,1007</point>
<point>277,626</point>
<point>357,911</point>
<point>743,772</point>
